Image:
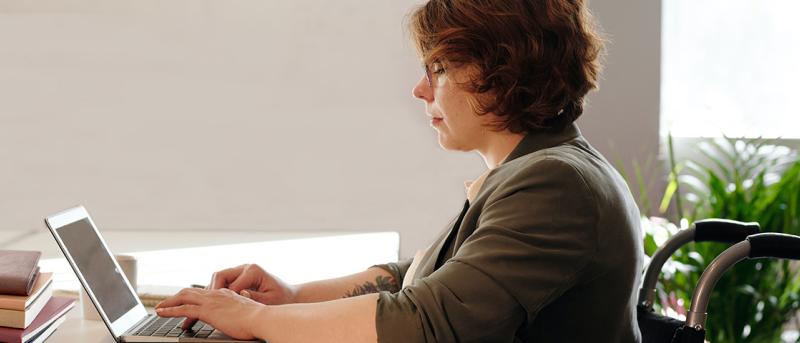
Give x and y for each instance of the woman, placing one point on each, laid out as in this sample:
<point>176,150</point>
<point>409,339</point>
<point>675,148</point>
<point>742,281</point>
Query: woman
<point>547,246</point>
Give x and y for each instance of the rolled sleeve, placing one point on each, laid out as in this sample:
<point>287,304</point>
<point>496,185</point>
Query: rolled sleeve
<point>396,269</point>
<point>530,246</point>
<point>455,303</point>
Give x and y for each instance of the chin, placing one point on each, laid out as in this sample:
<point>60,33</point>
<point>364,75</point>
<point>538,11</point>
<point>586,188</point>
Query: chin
<point>449,144</point>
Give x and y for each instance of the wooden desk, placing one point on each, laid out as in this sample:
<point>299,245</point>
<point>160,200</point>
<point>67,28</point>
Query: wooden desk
<point>181,258</point>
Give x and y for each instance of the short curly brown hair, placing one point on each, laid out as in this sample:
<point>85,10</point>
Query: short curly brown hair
<point>535,59</point>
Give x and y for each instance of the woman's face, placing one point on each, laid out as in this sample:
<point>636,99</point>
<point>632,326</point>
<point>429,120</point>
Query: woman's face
<point>448,106</point>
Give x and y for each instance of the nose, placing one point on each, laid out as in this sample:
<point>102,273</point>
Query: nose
<point>423,90</point>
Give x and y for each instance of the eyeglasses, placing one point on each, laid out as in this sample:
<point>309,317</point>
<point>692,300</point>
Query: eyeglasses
<point>430,73</point>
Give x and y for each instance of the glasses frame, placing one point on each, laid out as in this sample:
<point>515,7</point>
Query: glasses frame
<point>429,75</point>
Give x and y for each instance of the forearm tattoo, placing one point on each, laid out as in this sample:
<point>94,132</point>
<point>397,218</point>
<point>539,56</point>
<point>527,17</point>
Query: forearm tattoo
<point>382,283</point>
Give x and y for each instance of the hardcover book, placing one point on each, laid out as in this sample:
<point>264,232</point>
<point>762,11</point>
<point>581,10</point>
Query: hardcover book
<point>18,271</point>
<point>33,306</point>
<point>41,292</point>
<point>44,324</point>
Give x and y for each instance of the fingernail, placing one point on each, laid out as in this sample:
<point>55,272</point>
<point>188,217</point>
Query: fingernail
<point>159,310</point>
<point>245,294</point>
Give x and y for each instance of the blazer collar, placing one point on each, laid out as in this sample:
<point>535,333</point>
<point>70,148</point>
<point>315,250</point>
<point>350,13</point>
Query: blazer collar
<point>530,143</point>
<point>536,141</point>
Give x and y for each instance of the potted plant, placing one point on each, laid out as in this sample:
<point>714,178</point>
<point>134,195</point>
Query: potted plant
<point>738,179</point>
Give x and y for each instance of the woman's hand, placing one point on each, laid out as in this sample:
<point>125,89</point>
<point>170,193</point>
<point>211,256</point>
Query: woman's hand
<point>223,309</point>
<point>256,282</point>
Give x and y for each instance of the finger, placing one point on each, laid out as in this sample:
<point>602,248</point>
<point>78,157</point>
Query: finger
<point>223,277</point>
<point>191,296</point>
<point>187,323</point>
<point>211,283</point>
<point>188,311</point>
<point>246,280</point>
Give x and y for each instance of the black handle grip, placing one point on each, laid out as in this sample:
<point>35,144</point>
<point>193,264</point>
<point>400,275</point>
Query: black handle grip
<point>723,230</point>
<point>775,245</point>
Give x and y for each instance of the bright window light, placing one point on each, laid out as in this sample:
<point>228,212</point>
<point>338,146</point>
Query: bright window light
<point>294,260</point>
<point>730,67</point>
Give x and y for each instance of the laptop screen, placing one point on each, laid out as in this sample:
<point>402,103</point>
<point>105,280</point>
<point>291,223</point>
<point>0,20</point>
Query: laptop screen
<point>97,267</point>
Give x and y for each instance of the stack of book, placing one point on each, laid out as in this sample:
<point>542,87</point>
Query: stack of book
<point>28,310</point>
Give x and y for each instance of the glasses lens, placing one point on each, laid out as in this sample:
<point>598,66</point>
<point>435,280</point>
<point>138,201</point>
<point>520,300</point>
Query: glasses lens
<point>428,75</point>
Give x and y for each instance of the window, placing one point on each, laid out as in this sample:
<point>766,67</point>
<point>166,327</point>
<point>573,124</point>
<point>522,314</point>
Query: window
<point>731,67</point>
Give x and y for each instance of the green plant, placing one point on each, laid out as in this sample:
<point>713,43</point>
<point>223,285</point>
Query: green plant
<point>739,179</point>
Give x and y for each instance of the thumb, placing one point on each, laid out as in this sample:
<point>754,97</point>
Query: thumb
<point>242,282</point>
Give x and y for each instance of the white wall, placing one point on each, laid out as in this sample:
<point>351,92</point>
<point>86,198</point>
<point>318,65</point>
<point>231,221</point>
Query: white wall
<point>262,115</point>
<point>622,118</point>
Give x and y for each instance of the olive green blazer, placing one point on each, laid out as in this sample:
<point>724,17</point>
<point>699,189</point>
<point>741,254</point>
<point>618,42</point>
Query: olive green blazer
<point>549,250</point>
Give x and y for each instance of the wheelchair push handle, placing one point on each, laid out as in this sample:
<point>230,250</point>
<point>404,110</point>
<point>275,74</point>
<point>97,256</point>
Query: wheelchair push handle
<point>762,245</point>
<point>707,230</point>
<point>774,245</point>
<point>723,230</point>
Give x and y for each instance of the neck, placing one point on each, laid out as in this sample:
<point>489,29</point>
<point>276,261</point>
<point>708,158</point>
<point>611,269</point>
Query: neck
<point>498,146</point>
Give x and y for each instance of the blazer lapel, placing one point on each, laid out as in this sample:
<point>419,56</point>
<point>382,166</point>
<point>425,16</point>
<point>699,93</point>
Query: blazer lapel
<point>531,143</point>
<point>429,261</point>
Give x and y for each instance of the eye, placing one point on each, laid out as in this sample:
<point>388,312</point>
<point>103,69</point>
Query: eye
<point>437,68</point>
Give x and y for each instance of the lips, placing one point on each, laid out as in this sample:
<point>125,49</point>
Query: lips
<point>434,116</point>
<point>435,120</point>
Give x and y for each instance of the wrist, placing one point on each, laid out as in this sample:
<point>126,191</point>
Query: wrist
<point>294,293</point>
<point>258,319</point>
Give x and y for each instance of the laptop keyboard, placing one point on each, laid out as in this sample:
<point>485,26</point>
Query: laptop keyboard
<point>171,327</point>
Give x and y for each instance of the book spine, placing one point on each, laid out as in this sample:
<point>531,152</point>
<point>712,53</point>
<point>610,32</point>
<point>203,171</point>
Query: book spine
<point>12,319</point>
<point>9,304</point>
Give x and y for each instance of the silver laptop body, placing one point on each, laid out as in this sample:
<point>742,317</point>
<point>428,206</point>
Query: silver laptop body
<point>109,289</point>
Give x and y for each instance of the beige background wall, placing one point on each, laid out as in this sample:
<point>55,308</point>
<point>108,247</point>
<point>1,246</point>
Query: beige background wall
<point>256,115</point>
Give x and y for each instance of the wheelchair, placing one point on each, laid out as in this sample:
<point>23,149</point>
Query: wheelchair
<point>656,328</point>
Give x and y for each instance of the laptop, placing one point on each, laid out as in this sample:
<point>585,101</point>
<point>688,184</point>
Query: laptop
<point>109,289</point>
